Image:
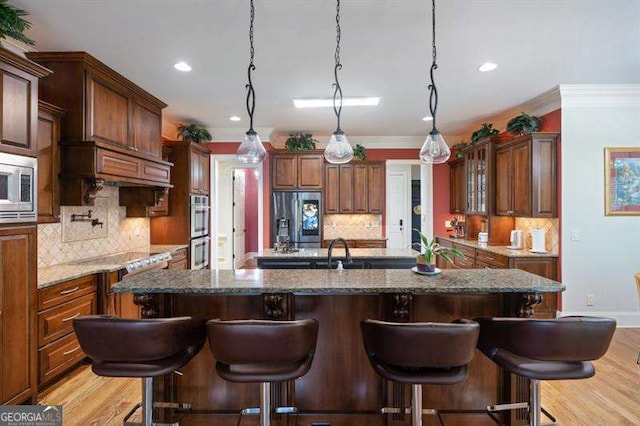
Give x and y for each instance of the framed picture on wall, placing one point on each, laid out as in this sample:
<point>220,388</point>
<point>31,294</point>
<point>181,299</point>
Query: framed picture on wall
<point>622,181</point>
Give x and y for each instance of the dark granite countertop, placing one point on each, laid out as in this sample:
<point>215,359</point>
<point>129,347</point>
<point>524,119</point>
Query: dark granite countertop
<point>309,281</point>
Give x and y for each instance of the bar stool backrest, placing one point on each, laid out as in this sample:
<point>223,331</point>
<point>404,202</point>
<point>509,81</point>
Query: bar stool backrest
<point>114,339</point>
<point>421,345</point>
<point>578,338</point>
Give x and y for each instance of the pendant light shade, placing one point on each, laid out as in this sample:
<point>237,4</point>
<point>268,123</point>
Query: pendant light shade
<point>339,150</point>
<point>251,150</point>
<point>435,150</point>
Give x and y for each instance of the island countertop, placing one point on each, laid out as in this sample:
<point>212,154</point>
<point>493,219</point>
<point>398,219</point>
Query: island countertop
<point>339,252</point>
<point>367,281</point>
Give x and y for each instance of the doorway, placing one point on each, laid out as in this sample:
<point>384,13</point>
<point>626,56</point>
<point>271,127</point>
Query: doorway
<point>237,211</point>
<point>409,202</point>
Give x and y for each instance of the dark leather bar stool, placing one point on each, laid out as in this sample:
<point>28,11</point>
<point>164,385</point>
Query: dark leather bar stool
<point>139,348</point>
<point>419,354</point>
<point>254,351</point>
<point>544,349</point>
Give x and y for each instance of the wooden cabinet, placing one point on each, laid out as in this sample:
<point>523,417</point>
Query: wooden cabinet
<point>199,176</point>
<point>101,104</point>
<point>48,154</point>
<point>179,260</point>
<point>19,103</point>
<point>457,187</point>
<point>58,305</point>
<point>18,333</point>
<point>354,188</point>
<point>477,168</point>
<point>118,304</point>
<point>360,243</point>
<point>297,170</point>
<point>526,176</point>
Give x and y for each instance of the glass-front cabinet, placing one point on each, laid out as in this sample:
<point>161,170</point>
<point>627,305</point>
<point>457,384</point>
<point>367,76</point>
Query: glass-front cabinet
<point>477,177</point>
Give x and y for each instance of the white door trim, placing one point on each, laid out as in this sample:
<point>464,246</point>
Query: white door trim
<point>233,159</point>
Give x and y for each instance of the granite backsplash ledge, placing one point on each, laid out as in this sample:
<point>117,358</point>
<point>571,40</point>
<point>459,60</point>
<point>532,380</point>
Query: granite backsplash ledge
<point>69,241</point>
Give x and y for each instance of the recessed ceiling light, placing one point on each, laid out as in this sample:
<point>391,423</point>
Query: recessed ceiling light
<point>234,118</point>
<point>182,66</point>
<point>328,102</point>
<point>428,118</point>
<point>487,66</point>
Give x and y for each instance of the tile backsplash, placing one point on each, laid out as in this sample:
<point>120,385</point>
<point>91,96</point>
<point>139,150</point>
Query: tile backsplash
<point>352,226</point>
<point>69,241</point>
<point>551,227</point>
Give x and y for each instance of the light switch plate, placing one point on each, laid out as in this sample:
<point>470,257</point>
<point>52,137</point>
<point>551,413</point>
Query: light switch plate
<point>575,235</point>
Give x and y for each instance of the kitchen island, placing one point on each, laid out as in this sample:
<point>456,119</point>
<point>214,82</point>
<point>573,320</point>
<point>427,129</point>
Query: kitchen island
<point>341,388</point>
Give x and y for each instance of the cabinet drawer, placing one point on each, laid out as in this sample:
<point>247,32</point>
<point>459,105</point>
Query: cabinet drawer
<point>492,258</point>
<point>58,357</point>
<point>466,263</point>
<point>66,291</point>
<point>179,265</point>
<point>177,256</point>
<point>57,322</point>
<point>445,243</point>
<point>484,265</point>
<point>468,251</point>
<point>371,244</point>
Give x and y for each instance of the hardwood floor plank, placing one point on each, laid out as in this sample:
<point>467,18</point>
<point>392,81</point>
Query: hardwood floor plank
<point>610,398</point>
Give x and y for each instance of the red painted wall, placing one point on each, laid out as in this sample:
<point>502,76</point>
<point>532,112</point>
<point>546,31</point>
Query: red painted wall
<point>251,212</point>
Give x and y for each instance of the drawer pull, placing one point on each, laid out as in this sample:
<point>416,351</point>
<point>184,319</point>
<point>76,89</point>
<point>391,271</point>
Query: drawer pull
<point>71,351</point>
<point>490,258</point>
<point>71,317</point>
<point>65,292</point>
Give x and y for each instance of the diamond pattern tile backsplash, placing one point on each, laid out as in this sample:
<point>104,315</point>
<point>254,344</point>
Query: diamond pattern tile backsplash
<point>352,226</point>
<point>551,227</point>
<point>70,241</point>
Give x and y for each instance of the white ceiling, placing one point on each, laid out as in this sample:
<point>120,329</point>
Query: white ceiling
<point>386,51</point>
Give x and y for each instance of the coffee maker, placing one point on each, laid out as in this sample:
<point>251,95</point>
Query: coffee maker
<point>516,240</point>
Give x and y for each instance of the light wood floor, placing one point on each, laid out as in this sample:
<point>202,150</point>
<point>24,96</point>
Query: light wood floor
<point>611,398</point>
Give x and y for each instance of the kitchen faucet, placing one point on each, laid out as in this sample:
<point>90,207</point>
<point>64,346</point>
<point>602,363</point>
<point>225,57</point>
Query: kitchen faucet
<point>346,248</point>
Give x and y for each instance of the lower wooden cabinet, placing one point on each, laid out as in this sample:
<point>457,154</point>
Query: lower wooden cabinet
<point>18,333</point>
<point>179,260</point>
<point>117,304</point>
<point>58,305</point>
<point>360,244</point>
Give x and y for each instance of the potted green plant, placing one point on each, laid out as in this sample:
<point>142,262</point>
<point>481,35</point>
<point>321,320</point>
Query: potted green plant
<point>300,142</point>
<point>459,147</point>
<point>11,23</point>
<point>360,152</point>
<point>484,131</point>
<point>426,261</point>
<point>193,133</point>
<point>523,124</point>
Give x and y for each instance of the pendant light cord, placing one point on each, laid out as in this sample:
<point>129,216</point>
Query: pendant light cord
<point>433,96</point>
<point>251,94</point>
<point>337,107</point>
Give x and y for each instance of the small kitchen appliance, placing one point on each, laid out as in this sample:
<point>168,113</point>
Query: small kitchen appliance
<point>538,240</point>
<point>516,240</point>
<point>483,237</point>
<point>18,188</point>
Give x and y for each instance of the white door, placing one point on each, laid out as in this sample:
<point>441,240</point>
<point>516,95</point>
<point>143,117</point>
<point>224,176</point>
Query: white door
<point>239,226</point>
<point>398,206</point>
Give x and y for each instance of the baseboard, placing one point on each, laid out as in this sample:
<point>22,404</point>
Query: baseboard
<point>625,319</point>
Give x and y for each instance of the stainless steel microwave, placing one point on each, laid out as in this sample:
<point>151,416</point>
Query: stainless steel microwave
<point>18,188</point>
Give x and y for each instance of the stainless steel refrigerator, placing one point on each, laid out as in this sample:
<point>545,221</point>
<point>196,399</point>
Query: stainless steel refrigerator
<point>297,217</point>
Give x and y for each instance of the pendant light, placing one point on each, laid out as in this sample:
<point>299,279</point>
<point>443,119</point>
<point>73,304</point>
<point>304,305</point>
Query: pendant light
<point>251,149</point>
<point>339,150</point>
<point>435,150</point>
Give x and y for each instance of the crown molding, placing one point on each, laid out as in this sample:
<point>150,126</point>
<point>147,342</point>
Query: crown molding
<point>600,95</point>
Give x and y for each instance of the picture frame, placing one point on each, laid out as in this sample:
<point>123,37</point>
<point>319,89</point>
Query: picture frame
<point>622,181</point>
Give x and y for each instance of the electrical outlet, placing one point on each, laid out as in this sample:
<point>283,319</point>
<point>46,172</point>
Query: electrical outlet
<point>575,235</point>
<point>590,301</point>
<point>136,231</point>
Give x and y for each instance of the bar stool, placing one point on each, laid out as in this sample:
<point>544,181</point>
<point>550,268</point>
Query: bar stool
<point>140,348</point>
<point>544,349</point>
<point>419,354</point>
<point>255,351</point>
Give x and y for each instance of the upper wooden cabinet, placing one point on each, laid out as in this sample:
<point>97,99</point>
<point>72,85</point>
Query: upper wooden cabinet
<point>19,103</point>
<point>199,160</point>
<point>457,189</point>
<point>18,333</point>
<point>49,117</point>
<point>526,176</point>
<point>354,188</point>
<point>102,105</point>
<point>477,168</point>
<point>296,170</point>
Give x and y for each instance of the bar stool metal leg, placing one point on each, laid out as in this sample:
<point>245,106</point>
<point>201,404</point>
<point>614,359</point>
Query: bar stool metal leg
<point>534,404</point>
<point>147,401</point>
<point>265,404</point>
<point>416,405</point>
